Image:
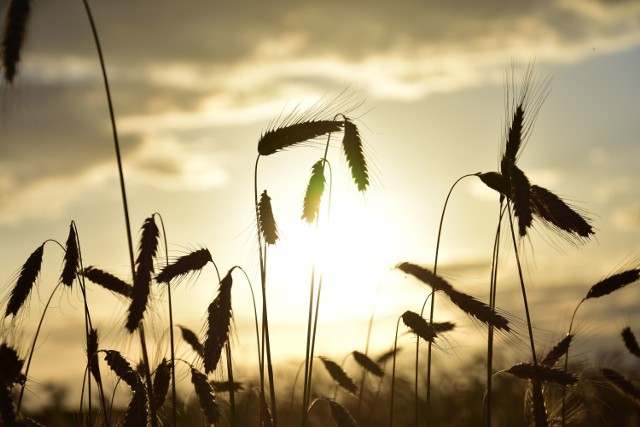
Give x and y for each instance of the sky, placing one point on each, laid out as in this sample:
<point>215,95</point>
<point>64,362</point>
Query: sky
<point>195,85</point>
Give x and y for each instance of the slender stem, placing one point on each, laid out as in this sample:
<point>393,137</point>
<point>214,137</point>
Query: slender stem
<point>33,347</point>
<point>493,283</point>
<point>366,352</point>
<point>174,411</point>
<point>566,366</point>
<point>232,392</point>
<point>393,372</point>
<point>312,324</point>
<point>433,301</point>
<point>154,420</point>
<point>262,247</point>
<point>538,401</point>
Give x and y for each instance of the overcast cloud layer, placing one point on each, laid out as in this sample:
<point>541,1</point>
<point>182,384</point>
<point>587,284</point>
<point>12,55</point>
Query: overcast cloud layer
<point>181,69</point>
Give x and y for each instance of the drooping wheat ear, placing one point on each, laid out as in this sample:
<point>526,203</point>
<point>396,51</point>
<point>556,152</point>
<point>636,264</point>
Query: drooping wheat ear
<point>218,324</point>
<point>353,151</point>
<point>479,310</point>
<point>28,275</point>
<point>382,359</point>
<point>280,138</point>
<point>7,410</point>
<point>226,386</point>
<point>528,371</point>
<point>621,383</point>
<point>340,415</point>
<point>613,283</point>
<point>441,327</point>
<point>144,269</point>
<point>191,338</point>
<point>465,302</point>
<point>367,364</point>
<point>71,258</point>
<point>315,190</point>
<point>92,350</point>
<point>206,397</point>
<point>161,382</point>
<point>266,221</point>
<point>520,191</point>
<point>11,363</point>
<point>419,326</point>
<point>630,341</point>
<point>108,281</point>
<point>137,413</point>
<point>559,350</point>
<point>192,262</point>
<point>558,214</point>
<point>339,375</point>
<point>122,368</point>
<point>426,276</point>
<point>13,37</point>
<point>495,181</point>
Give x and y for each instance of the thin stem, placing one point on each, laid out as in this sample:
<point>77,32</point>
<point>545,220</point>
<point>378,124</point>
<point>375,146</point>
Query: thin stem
<point>493,284</point>
<point>366,352</point>
<point>143,345</point>
<point>33,347</point>
<point>433,301</point>
<point>393,372</point>
<point>566,366</point>
<point>265,318</point>
<point>174,411</point>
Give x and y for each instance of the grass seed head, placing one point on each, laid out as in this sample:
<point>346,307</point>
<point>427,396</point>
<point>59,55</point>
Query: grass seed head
<point>283,137</point>
<point>353,151</point>
<point>71,258</point>
<point>630,341</point>
<point>339,375</point>
<point>27,278</point>
<point>13,36</point>
<point>191,338</point>
<point>419,326</point>
<point>108,281</point>
<point>367,364</point>
<point>621,383</point>
<point>340,415</point>
<point>313,195</point>
<point>144,269</point>
<point>206,397</point>
<point>529,371</point>
<point>218,324</point>
<point>559,350</point>
<point>266,221</point>
<point>92,355</point>
<point>192,262</point>
<point>613,283</point>
<point>161,382</point>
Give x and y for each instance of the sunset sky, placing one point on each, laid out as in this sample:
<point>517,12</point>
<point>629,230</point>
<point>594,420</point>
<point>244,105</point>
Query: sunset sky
<point>196,83</point>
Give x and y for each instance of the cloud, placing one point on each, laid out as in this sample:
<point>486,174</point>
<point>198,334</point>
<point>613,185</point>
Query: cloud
<point>627,218</point>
